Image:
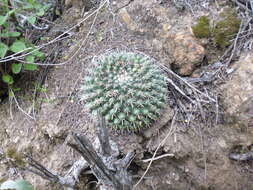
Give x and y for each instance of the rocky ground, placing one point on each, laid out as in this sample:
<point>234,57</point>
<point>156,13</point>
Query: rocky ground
<point>194,151</point>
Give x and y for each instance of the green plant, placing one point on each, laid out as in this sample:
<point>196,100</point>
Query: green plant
<point>202,28</point>
<point>128,89</point>
<point>15,156</point>
<point>223,31</point>
<point>16,185</point>
<point>12,38</point>
<point>226,29</point>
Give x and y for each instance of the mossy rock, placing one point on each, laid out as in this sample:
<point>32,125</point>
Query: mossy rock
<point>128,89</point>
<point>226,29</point>
<point>202,28</point>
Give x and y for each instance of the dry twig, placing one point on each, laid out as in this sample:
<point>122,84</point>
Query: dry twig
<point>110,171</point>
<point>158,147</point>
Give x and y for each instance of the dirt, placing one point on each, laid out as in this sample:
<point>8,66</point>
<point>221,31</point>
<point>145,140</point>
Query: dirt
<point>192,155</point>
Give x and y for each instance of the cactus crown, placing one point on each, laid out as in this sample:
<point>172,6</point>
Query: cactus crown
<point>128,89</point>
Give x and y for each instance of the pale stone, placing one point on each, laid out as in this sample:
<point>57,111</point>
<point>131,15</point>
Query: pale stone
<point>188,53</point>
<point>240,87</point>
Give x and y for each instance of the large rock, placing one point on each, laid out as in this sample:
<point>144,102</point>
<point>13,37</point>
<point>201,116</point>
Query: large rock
<point>239,89</point>
<point>188,53</point>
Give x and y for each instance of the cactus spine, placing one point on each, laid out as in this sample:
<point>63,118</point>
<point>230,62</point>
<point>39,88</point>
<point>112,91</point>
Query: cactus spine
<point>128,89</point>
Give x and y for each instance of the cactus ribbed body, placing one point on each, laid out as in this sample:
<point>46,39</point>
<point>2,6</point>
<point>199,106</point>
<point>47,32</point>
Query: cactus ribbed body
<point>128,89</point>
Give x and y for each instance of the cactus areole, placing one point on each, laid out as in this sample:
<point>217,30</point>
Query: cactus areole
<point>128,89</point>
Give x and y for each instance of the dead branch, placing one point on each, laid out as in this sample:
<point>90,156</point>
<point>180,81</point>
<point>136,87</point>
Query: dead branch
<point>244,4</point>
<point>241,157</point>
<point>110,171</point>
<point>158,157</point>
<point>103,137</point>
<point>68,181</point>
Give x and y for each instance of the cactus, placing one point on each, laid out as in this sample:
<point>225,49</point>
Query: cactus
<point>129,90</point>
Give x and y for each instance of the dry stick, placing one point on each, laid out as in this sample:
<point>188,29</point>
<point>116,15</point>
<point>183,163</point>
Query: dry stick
<point>158,157</point>
<point>23,111</point>
<point>232,48</point>
<point>187,83</point>
<point>189,5</point>
<point>38,169</point>
<point>103,137</point>
<point>251,5</point>
<point>123,6</point>
<point>11,115</point>
<point>158,147</point>
<point>115,177</point>
<point>113,173</point>
<point>241,29</point>
<point>179,90</point>
<point>202,113</point>
<point>216,110</point>
<point>98,167</point>
<point>127,160</point>
<point>241,157</point>
<point>241,5</point>
<point>41,170</point>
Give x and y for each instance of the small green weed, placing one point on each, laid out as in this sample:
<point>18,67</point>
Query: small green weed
<point>17,53</point>
<point>226,29</point>
<point>202,28</point>
<point>223,31</point>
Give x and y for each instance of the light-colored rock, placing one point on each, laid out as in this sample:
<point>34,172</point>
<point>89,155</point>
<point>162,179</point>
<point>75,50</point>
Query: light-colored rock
<point>188,53</point>
<point>240,87</point>
<point>53,131</point>
<point>245,112</point>
<point>126,18</point>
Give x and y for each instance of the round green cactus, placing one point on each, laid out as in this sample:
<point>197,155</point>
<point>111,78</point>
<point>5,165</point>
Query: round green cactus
<point>128,89</point>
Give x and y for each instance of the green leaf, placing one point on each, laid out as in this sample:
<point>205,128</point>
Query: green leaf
<point>17,46</point>
<point>37,6</point>
<point>11,12</point>
<point>3,50</point>
<point>7,79</point>
<point>28,6</point>
<point>17,185</point>
<point>30,67</point>
<point>31,19</point>
<point>31,2</point>
<point>16,68</point>
<point>16,89</point>
<point>46,7</point>
<point>40,12</point>
<point>38,54</point>
<point>3,19</point>
<point>14,34</point>
<point>29,58</point>
<point>10,34</point>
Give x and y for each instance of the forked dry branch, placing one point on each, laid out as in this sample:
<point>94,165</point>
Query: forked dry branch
<point>110,171</point>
